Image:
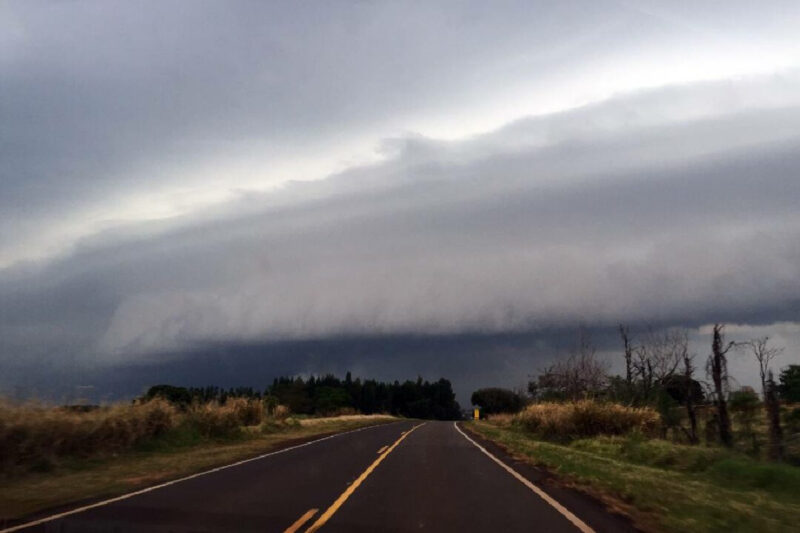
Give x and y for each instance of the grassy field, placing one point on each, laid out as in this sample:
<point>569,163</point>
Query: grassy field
<point>171,455</point>
<point>665,486</point>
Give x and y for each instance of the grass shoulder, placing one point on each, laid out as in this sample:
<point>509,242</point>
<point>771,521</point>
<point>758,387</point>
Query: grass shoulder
<point>665,486</point>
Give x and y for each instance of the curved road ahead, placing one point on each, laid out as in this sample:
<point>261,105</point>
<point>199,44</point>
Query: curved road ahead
<point>404,476</point>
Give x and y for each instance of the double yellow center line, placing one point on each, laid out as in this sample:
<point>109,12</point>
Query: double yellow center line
<point>324,517</point>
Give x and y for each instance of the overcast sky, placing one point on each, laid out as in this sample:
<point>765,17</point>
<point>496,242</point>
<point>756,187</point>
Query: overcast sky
<point>181,175</point>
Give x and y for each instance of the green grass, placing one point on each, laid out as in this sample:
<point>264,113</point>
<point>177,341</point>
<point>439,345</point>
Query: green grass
<point>180,452</point>
<point>666,486</point>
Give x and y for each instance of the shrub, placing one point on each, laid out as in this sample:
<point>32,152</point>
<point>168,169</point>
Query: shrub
<point>215,420</point>
<point>281,412</point>
<point>250,412</point>
<point>586,418</point>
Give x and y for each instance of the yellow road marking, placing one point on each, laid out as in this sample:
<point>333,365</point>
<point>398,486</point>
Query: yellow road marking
<point>324,517</point>
<point>302,520</point>
<point>577,522</point>
<point>383,448</point>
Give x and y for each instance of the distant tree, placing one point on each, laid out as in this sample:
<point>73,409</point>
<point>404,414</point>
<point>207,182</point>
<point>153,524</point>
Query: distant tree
<point>270,403</point>
<point>789,388</point>
<point>718,368</point>
<point>329,399</point>
<point>295,393</point>
<point>581,375</point>
<point>682,387</point>
<point>669,410</point>
<point>176,395</point>
<point>496,400</point>
<point>624,332</point>
<point>328,394</point>
<point>776,449</point>
<point>659,372</point>
<point>763,354</point>
<point>693,392</point>
<point>444,401</point>
<point>658,357</point>
<point>368,402</point>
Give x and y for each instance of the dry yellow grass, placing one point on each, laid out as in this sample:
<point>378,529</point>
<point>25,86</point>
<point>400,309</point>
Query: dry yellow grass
<point>37,437</point>
<point>501,419</point>
<point>587,418</point>
<point>310,422</point>
<point>33,436</point>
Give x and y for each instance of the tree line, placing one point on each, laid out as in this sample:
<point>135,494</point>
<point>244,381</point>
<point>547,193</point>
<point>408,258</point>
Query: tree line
<point>662,372</point>
<point>328,394</point>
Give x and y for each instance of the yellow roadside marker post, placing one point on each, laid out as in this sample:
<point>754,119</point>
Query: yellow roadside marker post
<point>476,413</point>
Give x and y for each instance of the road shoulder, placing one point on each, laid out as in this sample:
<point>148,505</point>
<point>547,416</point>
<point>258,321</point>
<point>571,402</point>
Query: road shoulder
<point>594,512</point>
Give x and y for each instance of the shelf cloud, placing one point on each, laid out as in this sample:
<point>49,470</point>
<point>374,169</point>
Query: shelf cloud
<point>228,182</point>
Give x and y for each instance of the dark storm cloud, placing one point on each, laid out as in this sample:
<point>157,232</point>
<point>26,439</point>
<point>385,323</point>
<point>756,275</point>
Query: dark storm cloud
<point>671,205</point>
<point>434,242</point>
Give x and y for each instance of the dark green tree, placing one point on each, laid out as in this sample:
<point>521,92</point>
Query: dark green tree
<point>177,395</point>
<point>789,388</point>
<point>497,400</point>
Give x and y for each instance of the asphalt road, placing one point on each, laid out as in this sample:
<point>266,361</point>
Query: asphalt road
<point>405,476</point>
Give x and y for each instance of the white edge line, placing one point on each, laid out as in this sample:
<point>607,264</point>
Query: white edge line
<point>174,481</point>
<point>577,522</point>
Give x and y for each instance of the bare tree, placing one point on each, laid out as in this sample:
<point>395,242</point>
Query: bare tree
<point>643,368</point>
<point>581,375</point>
<point>658,357</point>
<point>718,368</point>
<point>663,350</point>
<point>774,418</point>
<point>682,345</point>
<point>624,332</point>
<point>763,354</point>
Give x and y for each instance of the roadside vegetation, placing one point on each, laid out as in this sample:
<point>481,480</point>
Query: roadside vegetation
<point>675,450</point>
<point>40,439</point>
<point>52,456</point>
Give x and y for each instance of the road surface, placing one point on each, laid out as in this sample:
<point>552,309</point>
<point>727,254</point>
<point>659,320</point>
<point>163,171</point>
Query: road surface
<point>405,476</point>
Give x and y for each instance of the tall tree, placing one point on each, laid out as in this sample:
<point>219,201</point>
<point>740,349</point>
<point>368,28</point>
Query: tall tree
<point>774,418</point>
<point>496,400</point>
<point>624,332</point>
<point>790,383</point>
<point>718,368</point>
<point>764,354</point>
<point>688,372</point>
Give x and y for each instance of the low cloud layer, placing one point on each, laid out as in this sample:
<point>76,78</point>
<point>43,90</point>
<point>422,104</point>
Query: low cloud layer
<point>589,217</point>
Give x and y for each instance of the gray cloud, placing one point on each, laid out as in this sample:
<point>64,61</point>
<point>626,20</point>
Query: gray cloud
<point>110,108</point>
<point>675,204</point>
<point>677,223</point>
